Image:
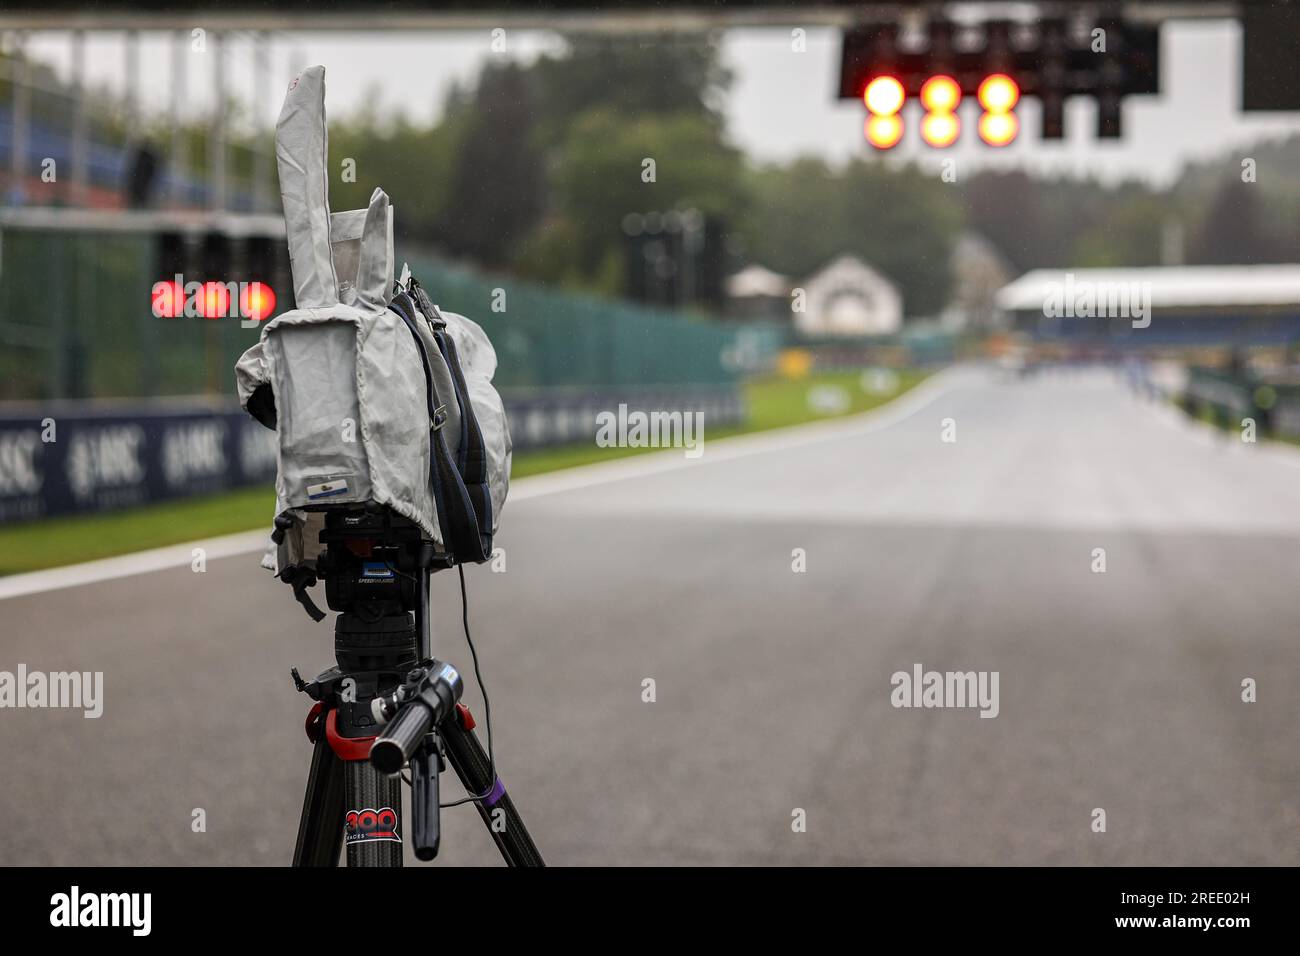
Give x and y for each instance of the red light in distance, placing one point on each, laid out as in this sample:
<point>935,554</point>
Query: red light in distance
<point>256,301</point>
<point>168,299</point>
<point>883,132</point>
<point>940,129</point>
<point>940,94</point>
<point>214,300</point>
<point>999,93</point>
<point>884,96</point>
<point>999,129</point>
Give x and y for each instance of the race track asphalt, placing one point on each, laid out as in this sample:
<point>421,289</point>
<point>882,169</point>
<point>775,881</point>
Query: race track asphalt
<point>1118,690</point>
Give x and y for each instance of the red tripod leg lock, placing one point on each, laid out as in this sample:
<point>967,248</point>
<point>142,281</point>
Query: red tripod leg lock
<point>347,748</point>
<point>465,717</point>
<point>313,721</point>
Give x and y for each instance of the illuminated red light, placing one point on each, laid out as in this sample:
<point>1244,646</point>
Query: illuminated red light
<point>940,94</point>
<point>883,132</point>
<point>999,93</point>
<point>168,299</point>
<point>256,301</point>
<point>884,96</point>
<point>940,129</point>
<point>214,300</point>
<point>999,129</point>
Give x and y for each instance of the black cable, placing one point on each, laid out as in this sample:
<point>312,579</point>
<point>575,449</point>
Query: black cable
<point>487,702</point>
<point>482,689</point>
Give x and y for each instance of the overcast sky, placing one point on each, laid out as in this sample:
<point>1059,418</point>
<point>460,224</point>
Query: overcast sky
<point>781,105</point>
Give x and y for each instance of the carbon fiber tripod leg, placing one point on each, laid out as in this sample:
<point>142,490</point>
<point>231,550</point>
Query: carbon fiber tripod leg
<point>373,815</point>
<point>320,829</point>
<point>470,761</point>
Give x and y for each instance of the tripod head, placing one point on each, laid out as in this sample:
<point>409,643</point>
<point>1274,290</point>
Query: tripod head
<point>372,556</point>
<point>375,564</point>
<point>373,560</point>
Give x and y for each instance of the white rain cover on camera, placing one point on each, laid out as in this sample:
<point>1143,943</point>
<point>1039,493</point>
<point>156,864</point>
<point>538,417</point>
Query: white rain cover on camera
<point>349,385</point>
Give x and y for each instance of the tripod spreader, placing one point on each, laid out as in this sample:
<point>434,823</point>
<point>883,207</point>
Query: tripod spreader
<point>411,712</point>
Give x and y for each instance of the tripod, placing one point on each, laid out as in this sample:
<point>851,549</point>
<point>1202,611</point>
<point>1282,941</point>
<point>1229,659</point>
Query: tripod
<point>386,704</point>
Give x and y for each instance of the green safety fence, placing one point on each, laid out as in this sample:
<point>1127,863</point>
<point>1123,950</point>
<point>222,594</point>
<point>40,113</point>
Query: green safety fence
<point>76,322</point>
<point>547,338</point>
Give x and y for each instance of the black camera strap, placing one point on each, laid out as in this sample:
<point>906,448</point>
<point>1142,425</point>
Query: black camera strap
<point>457,514</point>
<point>473,449</point>
<point>473,454</point>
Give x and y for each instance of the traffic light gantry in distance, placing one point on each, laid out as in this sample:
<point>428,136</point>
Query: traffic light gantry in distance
<point>996,62</point>
<point>214,274</point>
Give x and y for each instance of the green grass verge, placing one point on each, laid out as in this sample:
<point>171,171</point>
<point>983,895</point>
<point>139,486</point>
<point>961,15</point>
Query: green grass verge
<point>51,542</point>
<point>30,546</point>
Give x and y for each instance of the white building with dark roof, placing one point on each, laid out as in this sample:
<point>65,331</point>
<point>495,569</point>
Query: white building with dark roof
<point>848,297</point>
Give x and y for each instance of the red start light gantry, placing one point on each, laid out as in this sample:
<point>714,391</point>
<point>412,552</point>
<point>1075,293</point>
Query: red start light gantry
<point>940,96</point>
<point>996,62</point>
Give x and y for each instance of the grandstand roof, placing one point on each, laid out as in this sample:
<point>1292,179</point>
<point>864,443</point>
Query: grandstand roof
<point>1171,286</point>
